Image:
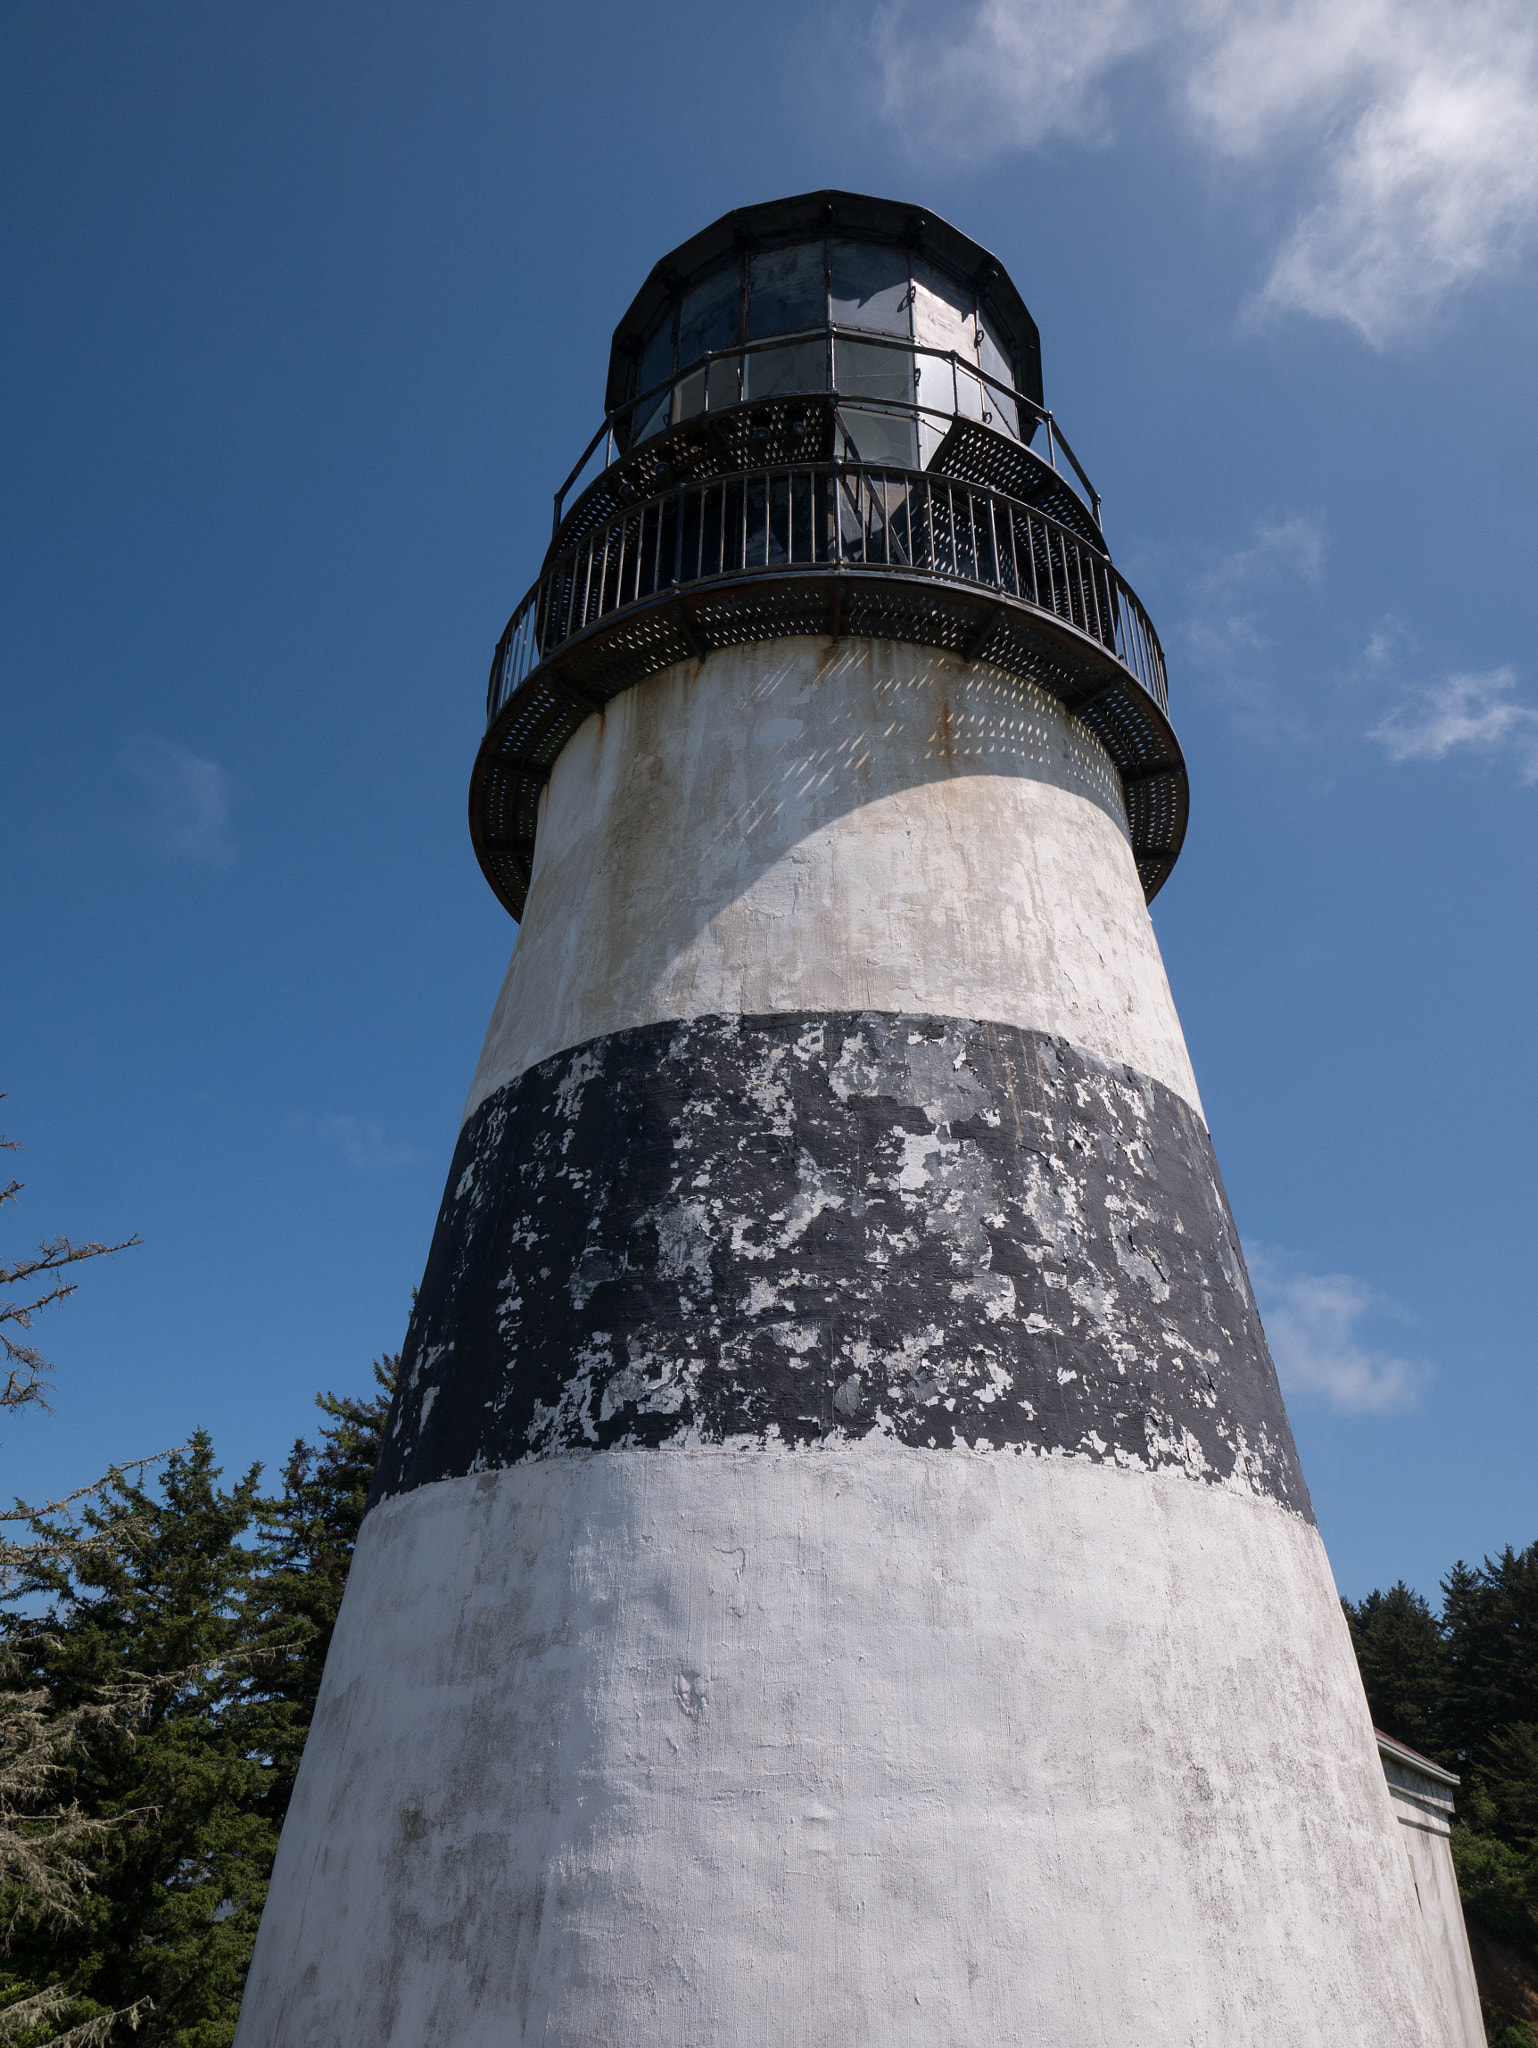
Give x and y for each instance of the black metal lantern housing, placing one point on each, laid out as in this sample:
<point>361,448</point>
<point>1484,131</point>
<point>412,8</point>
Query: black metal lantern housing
<point>825,415</point>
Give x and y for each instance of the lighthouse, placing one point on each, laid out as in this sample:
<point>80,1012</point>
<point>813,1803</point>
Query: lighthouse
<point>839,1572</point>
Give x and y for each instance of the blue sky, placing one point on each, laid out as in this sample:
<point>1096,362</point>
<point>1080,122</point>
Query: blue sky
<point>307,314</point>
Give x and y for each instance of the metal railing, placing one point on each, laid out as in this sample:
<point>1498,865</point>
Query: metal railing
<point>829,516</point>
<point>730,377</point>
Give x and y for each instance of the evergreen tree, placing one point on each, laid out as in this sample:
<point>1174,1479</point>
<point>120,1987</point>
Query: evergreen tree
<point>157,1602</point>
<point>207,1612</point>
<point>308,1534</point>
<point>1507,1786</point>
<point>44,1836</point>
<point>151,1721</point>
<point>1404,1664</point>
<point>1490,1618</point>
<point>1463,1688</point>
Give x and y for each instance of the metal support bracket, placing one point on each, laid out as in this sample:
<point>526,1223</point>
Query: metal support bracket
<point>575,693</point>
<point>975,642</point>
<point>679,616</point>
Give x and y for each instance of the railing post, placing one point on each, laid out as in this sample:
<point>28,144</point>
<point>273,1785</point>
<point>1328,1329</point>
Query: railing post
<point>617,563</point>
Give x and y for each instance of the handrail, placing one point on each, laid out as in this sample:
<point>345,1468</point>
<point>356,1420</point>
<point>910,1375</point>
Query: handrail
<point>831,516</point>
<point>612,432</point>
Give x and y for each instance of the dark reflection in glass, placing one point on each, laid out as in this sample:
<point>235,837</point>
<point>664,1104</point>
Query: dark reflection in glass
<point>724,382</point>
<point>786,290</point>
<point>870,288</point>
<point>799,366</point>
<point>708,318</point>
<point>652,416</point>
<point>657,356</point>
<point>691,396</point>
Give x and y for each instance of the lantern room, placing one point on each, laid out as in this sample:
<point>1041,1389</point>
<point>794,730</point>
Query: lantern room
<point>909,323</point>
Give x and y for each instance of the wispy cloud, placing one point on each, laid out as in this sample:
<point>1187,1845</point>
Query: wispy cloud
<point>1281,550</point>
<point>190,800</point>
<point>1413,124</point>
<point>1388,641</point>
<point>1477,714</point>
<point>1007,74</point>
<point>1227,628</point>
<point>359,1141</point>
<point>1313,1322</point>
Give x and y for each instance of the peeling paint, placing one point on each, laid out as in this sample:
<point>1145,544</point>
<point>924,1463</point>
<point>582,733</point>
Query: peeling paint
<point>801,1229</point>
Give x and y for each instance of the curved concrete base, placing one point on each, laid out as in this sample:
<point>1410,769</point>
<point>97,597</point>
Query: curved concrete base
<point>865,1745</point>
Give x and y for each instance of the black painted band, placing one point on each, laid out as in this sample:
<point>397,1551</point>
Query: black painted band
<point>783,1230</point>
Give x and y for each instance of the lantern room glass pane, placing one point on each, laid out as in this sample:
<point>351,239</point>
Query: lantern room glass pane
<point>864,369</point>
<point>870,288</point>
<point>936,383</point>
<point>652,416</point>
<point>786,290</point>
<point>708,318</point>
<point>657,356</point>
<point>771,372</point>
<point>997,365</point>
<point>995,362</point>
<point>723,382</point>
<point>886,437</point>
<point>942,311</point>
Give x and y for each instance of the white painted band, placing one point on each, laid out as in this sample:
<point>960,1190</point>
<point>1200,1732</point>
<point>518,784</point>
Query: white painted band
<point>833,1748</point>
<point>865,825</point>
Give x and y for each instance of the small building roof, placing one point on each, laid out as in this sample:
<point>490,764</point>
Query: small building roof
<point>1412,1760</point>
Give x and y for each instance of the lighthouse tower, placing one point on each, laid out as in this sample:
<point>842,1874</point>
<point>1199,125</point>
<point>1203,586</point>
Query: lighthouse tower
<point>839,1572</point>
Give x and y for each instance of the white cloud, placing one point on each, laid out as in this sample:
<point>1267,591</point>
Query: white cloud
<point>1014,73</point>
<point>1414,123</point>
<point>191,800</point>
<point>1312,1322</point>
<point>1390,638</point>
<point>1281,549</point>
<point>1476,714</point>
<point>1226,629</point>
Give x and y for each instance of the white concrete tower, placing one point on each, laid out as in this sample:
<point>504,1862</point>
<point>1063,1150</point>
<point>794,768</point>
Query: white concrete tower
<point>840,1572</point>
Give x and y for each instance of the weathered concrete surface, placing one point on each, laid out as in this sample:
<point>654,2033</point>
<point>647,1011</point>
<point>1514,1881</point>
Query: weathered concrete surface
<point>790,1228</point>
<point>922,1737</point>
<point>835,1747</point>
<point>873,826</point>
<point>1423,1800</point>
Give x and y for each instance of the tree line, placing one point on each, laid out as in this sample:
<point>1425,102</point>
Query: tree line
<point>165,1644</point>
<point>162,1636</point>
<point>1460,1684</point>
